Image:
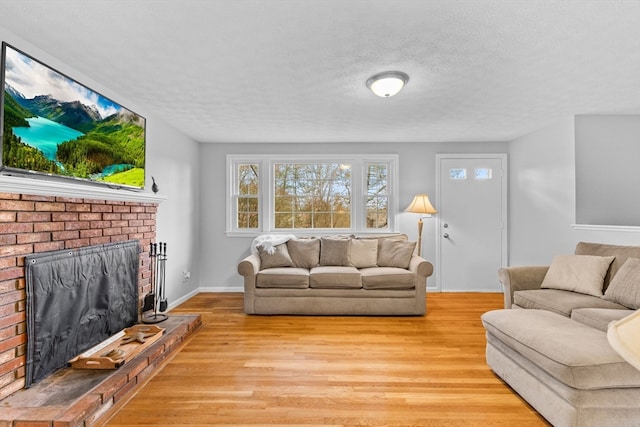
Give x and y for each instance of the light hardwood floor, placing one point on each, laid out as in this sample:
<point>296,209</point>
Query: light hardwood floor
<point>331,371</point>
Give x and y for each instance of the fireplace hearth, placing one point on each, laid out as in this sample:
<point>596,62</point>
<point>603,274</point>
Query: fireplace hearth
<point>79,397</point>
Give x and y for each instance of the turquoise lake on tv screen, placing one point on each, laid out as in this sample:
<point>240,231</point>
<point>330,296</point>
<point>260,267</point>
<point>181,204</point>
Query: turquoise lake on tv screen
<point>45,135</point>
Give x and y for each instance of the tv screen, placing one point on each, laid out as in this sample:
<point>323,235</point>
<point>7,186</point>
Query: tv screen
<point>54,126</point>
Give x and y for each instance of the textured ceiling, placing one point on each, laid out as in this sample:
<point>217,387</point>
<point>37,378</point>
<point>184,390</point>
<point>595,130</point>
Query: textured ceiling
<point>295,70</point>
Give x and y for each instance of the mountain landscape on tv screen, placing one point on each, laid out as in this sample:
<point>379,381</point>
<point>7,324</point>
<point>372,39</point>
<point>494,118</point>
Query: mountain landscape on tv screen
<point>46,135</point>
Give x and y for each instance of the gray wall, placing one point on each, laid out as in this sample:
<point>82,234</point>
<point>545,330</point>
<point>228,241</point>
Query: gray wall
<point>541,194</point>
<point>172,159</point>
<point>608,182</point>
<point>542,189</point>
<point>220,254</point>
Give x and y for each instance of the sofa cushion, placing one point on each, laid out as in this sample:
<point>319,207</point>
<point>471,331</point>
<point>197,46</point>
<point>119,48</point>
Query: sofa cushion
<point>577,273</point>
<point>363,253</point>
<point>305,253</point>
<point>575,354</point>
<point>334,277</point>
<point>625,285</point>
<point>561,302</point>
<point>279,258</point>
<point>334,251</point>
<point>297,278</point>
<point>382,237</point>
<point>395,253</point>
<point>387,278</point>
<point>598,318</point>
<point>602,249</point>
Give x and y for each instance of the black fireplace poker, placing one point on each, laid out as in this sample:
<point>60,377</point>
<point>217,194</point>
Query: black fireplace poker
<point>155,303</point>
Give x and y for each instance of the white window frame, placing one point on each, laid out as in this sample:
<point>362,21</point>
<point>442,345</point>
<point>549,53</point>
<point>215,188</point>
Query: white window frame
<point>265,163</point>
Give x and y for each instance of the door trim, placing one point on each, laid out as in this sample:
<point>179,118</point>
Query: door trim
<point>504,256</point>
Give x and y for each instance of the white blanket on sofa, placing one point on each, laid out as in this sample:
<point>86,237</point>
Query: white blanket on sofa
<point>269,242</point>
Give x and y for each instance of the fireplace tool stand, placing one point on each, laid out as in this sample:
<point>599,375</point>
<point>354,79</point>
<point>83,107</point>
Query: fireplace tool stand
<point>156,300</point>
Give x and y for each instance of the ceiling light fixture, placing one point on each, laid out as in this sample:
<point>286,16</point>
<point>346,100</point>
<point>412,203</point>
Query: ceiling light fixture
<point>388,83</point>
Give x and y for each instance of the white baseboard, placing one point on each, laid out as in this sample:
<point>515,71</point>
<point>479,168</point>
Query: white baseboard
<point>221,289</point>
<point>182,299</point>
<point>213,289</point>
<point>204,289</point>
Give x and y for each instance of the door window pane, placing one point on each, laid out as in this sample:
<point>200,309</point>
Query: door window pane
<point>457,174</point>
<point>482,173</point>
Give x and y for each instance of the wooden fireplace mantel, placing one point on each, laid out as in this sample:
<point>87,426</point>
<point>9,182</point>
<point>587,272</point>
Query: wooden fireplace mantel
<point>45,187</point>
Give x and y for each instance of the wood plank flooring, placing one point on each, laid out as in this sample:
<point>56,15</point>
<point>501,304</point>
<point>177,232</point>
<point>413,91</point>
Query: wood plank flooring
<point>331,371</point>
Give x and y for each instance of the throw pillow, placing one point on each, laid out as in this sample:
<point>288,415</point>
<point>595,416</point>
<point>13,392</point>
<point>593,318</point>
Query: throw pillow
<point>395,253</point>
<point>305,253</point>
<point>382,238</point>
<point>578,273</point>
<point>363,253</point>
<point>280,258</point>
<point>334,251</point>
<point>624,288</point>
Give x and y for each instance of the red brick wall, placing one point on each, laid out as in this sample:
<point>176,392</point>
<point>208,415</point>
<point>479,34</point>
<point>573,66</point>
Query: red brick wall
<point>31,224</point>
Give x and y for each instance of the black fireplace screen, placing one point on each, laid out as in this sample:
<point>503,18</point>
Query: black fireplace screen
<point>76,299</point>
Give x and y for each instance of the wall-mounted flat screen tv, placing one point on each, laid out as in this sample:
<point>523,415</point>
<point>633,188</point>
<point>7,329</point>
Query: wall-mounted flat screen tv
<point>54,126</point>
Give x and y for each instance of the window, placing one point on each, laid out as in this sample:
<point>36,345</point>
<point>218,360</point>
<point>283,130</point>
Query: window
<point>247,196</point>
<point>377,177</point>
<point>312,195</point>
<point>287,193</point>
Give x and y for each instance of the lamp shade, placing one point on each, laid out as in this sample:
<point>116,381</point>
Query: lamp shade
<point>421,204</point>
<point>388,83</point>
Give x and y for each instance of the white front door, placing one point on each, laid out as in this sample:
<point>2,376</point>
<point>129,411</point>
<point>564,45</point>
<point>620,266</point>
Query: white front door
<point>471,239</point>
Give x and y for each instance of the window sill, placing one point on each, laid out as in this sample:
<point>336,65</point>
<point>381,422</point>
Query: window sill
<point>625,228</point>
<point>300,233</point>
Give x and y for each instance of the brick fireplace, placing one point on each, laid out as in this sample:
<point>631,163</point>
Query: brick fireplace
<point>32,224</point>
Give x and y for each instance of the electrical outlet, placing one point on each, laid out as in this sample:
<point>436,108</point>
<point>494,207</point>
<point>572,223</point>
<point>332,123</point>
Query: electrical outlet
<point>186,275</point>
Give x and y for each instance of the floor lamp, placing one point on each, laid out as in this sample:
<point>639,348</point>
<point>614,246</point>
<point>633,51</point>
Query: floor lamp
<point>421,205</point>
<point>623,337</point>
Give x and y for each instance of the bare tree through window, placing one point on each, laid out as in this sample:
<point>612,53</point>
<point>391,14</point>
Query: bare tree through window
<point>248,192</point>
<point>377,196</point>
<point>312,195</point>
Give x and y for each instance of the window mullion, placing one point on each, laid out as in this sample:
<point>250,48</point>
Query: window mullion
<point>393,188</point>
<point>267,190</point>
<point>357,206</point>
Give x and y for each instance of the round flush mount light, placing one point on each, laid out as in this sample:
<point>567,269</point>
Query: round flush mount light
<point>388,83</point>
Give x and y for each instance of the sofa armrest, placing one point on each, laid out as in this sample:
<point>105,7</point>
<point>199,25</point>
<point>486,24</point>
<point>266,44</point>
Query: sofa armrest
<point>422,269</point>
<point>420,266</point>
<point>520,278</point>
<point>249,268</point>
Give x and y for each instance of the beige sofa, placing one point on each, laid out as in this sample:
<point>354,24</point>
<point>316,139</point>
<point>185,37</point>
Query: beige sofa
<point>552,347</point>
<point>336,275</point>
